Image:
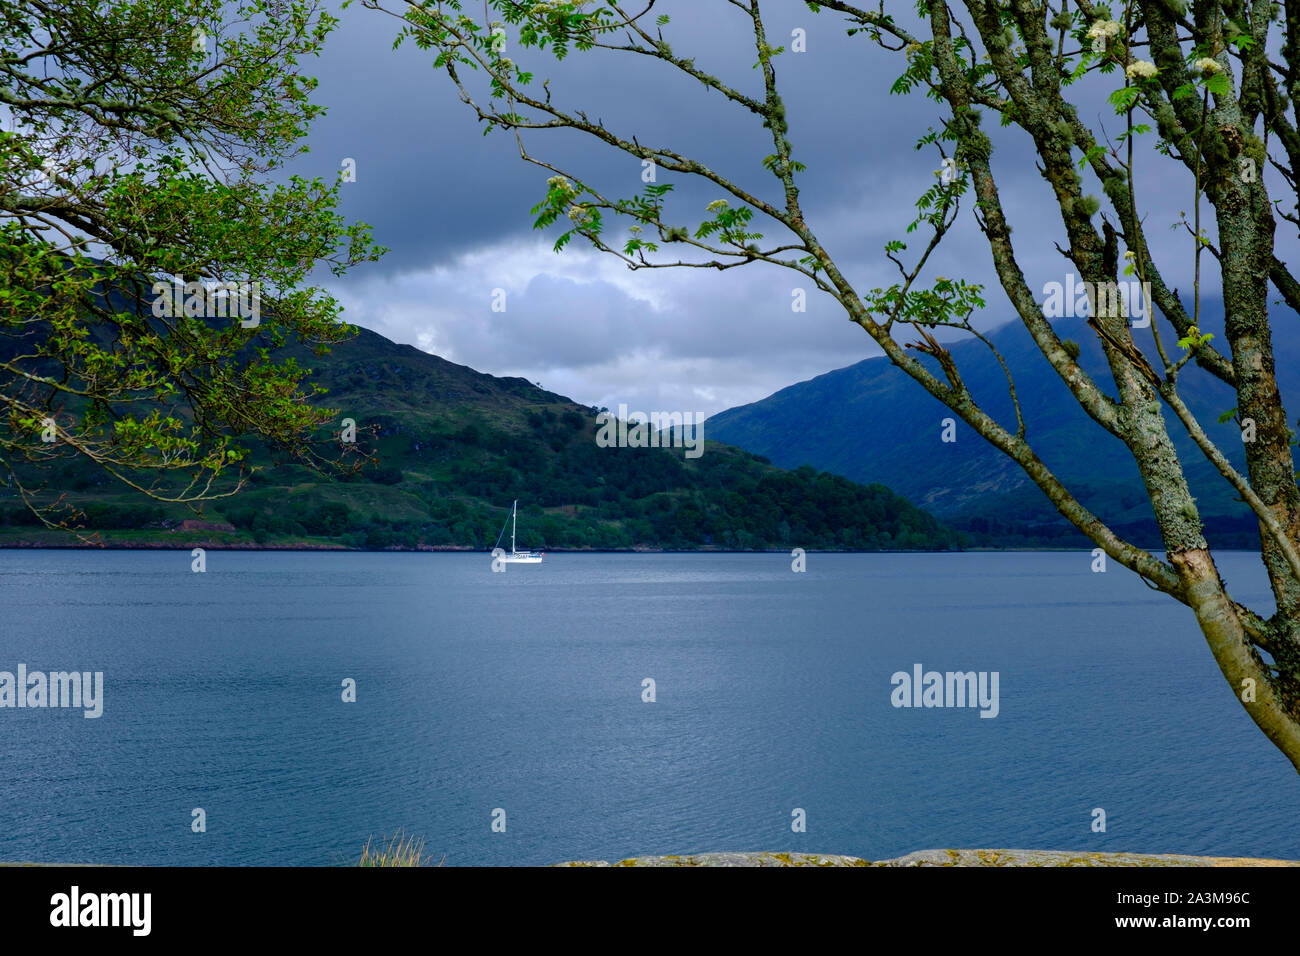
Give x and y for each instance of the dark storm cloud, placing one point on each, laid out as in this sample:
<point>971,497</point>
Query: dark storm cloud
<point>432,185</point>
<point>453,207</point>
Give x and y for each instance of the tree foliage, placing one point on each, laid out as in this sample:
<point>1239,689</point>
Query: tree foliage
<point>136,168</point>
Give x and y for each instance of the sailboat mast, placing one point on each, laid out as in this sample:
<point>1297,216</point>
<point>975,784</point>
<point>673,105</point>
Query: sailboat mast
<point>514,514</point>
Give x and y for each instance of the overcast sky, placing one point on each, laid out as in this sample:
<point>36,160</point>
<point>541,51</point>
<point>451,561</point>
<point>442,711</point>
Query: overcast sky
<point>453,206</point>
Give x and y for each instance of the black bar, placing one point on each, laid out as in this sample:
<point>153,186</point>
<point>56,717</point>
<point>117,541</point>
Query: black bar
<point>926,905</point>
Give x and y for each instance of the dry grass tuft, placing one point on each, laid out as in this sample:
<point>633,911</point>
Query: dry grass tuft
<point>399,850</point>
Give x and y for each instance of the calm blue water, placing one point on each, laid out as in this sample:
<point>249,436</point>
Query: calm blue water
<point>523,691</point>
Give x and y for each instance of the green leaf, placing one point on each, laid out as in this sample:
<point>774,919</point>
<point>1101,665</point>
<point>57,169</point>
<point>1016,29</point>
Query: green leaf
<point>1218,84</point>
<point>1124,98</point>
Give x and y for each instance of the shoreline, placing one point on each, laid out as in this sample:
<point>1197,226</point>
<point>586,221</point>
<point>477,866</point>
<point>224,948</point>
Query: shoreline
<point>211,545</point>
<point>463,549</point>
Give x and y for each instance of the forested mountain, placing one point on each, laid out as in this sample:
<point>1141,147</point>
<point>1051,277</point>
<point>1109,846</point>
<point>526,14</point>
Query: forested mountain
<point>872,423</point>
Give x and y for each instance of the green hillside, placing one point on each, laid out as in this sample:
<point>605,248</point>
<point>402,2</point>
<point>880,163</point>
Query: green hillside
<point>454,447</point>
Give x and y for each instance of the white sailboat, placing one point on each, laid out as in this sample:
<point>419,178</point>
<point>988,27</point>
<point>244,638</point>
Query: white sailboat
<point>514,556</point>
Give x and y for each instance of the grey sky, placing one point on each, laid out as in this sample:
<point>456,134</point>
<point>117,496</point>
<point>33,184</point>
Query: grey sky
<point>453,206</point>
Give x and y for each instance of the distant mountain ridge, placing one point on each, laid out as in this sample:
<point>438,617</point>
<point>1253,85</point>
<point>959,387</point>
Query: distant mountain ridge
<point>872,423</point>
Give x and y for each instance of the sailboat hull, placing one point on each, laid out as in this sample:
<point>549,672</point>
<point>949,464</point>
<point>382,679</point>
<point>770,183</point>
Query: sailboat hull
<point>522,558</point>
